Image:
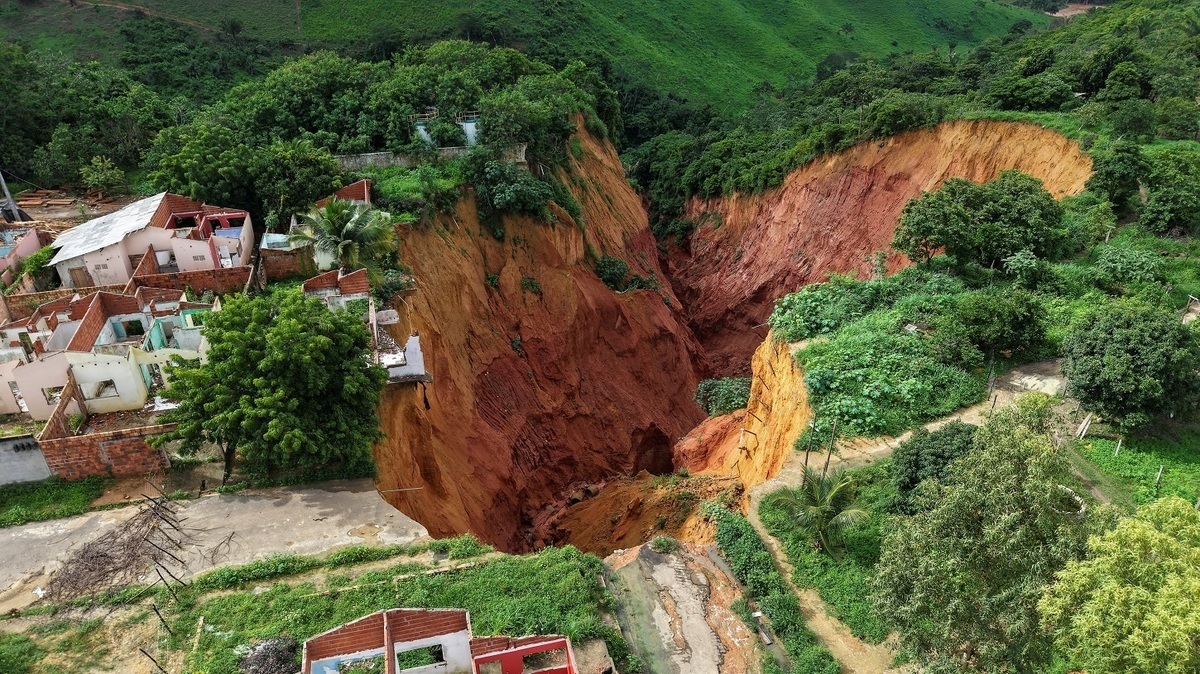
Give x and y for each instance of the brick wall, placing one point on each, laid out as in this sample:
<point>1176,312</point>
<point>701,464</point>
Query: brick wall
<point>367,633</point>
<point>22,305</point>
<point>284,264</point>
<point>211,280</point>
<point>120,453</point>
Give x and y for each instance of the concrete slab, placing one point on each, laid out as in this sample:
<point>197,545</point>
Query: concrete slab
<point>306,520</point>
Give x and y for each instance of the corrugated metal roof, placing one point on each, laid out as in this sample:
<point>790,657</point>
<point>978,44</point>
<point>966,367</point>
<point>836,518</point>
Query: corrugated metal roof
<point>106,230</point>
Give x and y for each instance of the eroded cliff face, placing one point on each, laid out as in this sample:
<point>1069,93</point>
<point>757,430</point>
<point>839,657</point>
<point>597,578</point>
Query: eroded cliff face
<point>751,444</point>
<point>534,393</point>
<point>833,215</point>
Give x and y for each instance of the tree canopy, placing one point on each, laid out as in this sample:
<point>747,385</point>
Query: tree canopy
<point>1130,605</point>
<point>963,576</point>
<point>983,224</point>
<point>1131,362</point>
<point>287,384</point>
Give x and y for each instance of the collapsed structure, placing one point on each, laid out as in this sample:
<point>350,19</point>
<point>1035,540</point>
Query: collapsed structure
<point>115,344</point>
<point>441,639</point>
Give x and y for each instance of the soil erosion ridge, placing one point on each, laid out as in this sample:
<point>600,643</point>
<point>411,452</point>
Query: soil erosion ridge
<point>545,380</point>
<point>549,386</point>
<point>833,214</point>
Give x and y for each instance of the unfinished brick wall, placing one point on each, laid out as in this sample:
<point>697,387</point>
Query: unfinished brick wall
<point>121,453</point>
<point>217,281</point>
<point>22,305</point>
<point>280,265</point>
<point>363,634</point>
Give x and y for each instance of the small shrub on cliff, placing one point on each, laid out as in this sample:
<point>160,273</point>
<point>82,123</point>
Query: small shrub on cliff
<point>614,272</point>
<point>664,545</point>
<point>722,396</point>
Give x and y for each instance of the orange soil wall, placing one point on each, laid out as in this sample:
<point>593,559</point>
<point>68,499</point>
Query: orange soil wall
<point>833,214</point>
<point>602,385</point>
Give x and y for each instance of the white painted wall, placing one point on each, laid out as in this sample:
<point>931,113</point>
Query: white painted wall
<point>92,368</point>
<point>186,249</point>
<point>31,378</point>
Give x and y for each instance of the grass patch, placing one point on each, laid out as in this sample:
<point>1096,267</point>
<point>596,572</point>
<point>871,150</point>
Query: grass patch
<point>48,500</point>
<point>1136,467</point>
<point>18,653</point>
<point>751,562</point>
<point>553,591</point>
<point>845,585</point>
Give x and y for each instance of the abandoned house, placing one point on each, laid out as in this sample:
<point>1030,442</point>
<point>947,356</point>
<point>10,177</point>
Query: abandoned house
<point>357,193</point>
<point>424,641</point>
<point>337,288</point>
<point>115,346</point>
<point>185,235</point>
<point>15,246</point>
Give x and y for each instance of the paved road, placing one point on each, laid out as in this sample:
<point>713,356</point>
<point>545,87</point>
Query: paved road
<point>308,520</point>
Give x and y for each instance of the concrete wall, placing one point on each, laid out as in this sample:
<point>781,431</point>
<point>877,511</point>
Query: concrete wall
<point>21,460</point>
<point>32,378</point>
<point>92,369</point>
<point>27,245</point>
<point>187,250</point>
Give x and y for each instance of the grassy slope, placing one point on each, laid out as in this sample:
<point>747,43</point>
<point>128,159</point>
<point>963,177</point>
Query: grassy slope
<point>715,51</point>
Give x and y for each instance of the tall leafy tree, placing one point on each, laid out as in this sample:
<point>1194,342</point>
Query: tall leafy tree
<point>285,385</point>
<point>983,224</point>
<point>1131,605</point>
<point>1131,362</point>
<point>356,235</point>
<point>961,579</point>
<point>823,505</point>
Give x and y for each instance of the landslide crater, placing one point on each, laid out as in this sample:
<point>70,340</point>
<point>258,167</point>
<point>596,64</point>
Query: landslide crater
<point>544,392</point>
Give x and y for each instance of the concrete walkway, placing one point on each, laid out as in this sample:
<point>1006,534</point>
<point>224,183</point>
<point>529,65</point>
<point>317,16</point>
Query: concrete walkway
<point>855,655</point>
<point>304,520</point>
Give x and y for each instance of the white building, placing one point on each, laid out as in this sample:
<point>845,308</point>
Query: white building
<point>186,235</point>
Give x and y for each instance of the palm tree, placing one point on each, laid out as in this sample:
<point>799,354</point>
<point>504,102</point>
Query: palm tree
<point>354,234</point>
<point>823,504</point>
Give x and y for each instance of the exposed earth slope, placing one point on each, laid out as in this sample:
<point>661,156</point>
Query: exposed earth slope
<point>833,215</point>
<point>545,383</point>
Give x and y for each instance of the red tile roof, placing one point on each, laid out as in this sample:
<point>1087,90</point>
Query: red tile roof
<point>359,191</point>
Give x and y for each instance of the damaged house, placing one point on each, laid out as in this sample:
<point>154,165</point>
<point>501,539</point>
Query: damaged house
<point>184,235</point>
<point>114,345</point>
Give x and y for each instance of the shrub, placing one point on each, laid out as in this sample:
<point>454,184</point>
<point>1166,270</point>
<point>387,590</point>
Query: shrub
<point>393,281</point>
<point>1119,267</point>
<point>612,272</point>
<point>664,545</point>
<point>531,285</point>
<point>18,653</point>
<point>926,455</point>
<point>1132,362</point>
<point>722,396</point>
<point>102,174</point>
<point>1012,321</point>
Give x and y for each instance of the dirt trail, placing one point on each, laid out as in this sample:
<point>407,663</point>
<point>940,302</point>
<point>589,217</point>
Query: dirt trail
<point>855,655</point>
<point>147,10</point>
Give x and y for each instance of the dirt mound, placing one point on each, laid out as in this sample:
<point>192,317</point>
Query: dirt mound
<point>833,215</point>
<point>629,511</point>
<point>543,378</point>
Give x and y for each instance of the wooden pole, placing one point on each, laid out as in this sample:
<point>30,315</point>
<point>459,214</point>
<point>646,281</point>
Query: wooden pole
<point>1158,480</point>
<point>154,661</point>
<point>832,439</point>
<point>164,623</point>
<point>1119,441</point>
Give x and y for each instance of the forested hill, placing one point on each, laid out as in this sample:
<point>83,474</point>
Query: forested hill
<point>715,51</point>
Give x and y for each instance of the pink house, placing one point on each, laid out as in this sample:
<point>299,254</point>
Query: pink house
<point>186,235</point>
<point>16,245</point>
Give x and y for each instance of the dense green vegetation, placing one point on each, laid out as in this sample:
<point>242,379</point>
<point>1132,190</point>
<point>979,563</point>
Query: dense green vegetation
<point>1132,362</point>
<point>843,582</point>
<point>1130,606</point>
<point>1036,78</point>
<point>658,52</point>
<point>309,403</point>
<point>967,570</point>
<point>1136,465</point>
<point>552,592</point>
<point>926,456</point>
<point>48,500</point>
<point>724,395</point>
<point>752,565</point>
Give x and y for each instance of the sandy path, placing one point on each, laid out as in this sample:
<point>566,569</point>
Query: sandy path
<point>855,655</point>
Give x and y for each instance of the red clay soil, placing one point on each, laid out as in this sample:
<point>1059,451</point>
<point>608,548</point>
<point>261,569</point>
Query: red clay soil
<point>534,394</point>
<point>833,214</point>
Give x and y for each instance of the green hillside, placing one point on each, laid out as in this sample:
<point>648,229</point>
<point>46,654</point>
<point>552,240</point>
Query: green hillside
<point>714,51</point>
